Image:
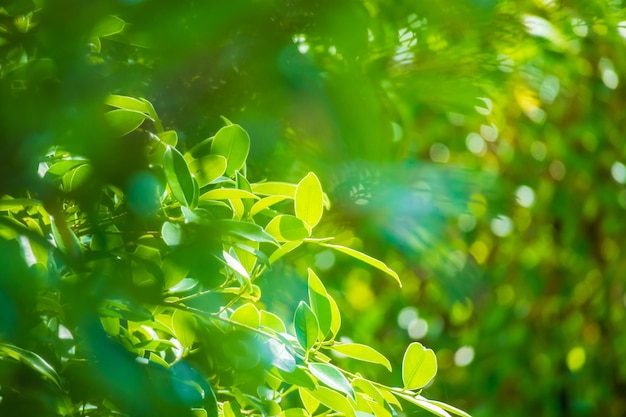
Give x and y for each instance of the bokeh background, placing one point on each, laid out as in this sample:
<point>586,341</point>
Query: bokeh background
<point>476,146</point>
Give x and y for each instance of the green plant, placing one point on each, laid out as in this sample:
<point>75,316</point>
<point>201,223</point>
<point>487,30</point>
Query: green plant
<point>143,297</point>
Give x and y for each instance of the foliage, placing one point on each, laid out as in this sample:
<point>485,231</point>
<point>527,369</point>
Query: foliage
<point>156,285</point>
<point>473,146</point>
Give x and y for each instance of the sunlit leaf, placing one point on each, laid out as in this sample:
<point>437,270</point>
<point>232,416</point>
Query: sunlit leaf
<point>178,176</point>
<point>363,353</point>
<point>227,193</point>
<point>127,103</point>
<point>365,258</point>
<point>333,400</point>
<point>265,203</point>
<point>421,402</point>
<point>169,137</point>
<point>184,324</point>
<point>286,228</point>
<point>281,358</point>
<point>248,231</point>
<point>272,321</point>
<point>124,121</point>
<point>419,366</point>
<point>309,203</point>
<point>318,297</point>
<point>233,143</point>
<point>207,169</point>
<point>448,408</point>
<point>310,403</point>
<point>283,250</point>
<point>299,376</point>
<point>247,314</point>
<point>332,377</point>
<point>33,360</point>
<point>306,326</point>
<point>171,233</point>
<point>284,189</point>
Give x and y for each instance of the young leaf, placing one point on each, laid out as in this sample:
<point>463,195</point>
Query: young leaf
<point>363,353</point>
<point>32,360</point>
<point>284,189</point>
<point>272,321</point>
<point>207,168</point>
<point>171,233</point>
<point>333,400</point>
<point>248,231</point>
<point>306,326</point>
<point>124,121</point>
<point>332,377</point>
<point>178,176</point>
<point>247,314</point>
<point>169,137</point>
<point>226,194</point>
<point>449,408</point>
<point>309,203</point>
<point>287,228</point>
<point>233,143</point>
<point>281,358</point>
<point>318,297</point>
<point>265,203</point>
<point>419,366</point>
<point>365,258</point>
<point>310,403</point>
<point>294,412</point>
<point>283,250</point>
<point>426,405</point>
<point>126,103</point>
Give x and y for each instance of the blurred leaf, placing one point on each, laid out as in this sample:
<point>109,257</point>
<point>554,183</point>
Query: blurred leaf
<point>33,360</point>
<point>318,297</point>
<point>171,233</point>
<point>108,26</point>
<point>281,358</point>
<point>275,188</point>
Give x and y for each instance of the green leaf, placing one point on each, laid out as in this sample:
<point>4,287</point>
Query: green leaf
<point>265,203</point>
<point>272,321</point>
<point>183,325</point>
<point>419,366</point>
<point>284,189</point>
<point>309,402</point>
<point>287,228</point>
<point>332,377</point>
<point>75,178</point>
<point>426,405</point>
<point>233,143</point>
<point>306,326</point>
<point>318,297</point>
<point>234,264</point>
<point>248,231</point>
<point>299,376</point>
<point>108,26</point>
<point>363,353</point>
<point>65,238</point>
<point>281,358</point>
<point>368,388</point>
<point>178,176</point>
<point>127,103</point>
<point>32,360</point>
<point>171,233</point>
<point>294,412</point>
<point>207,169</point>
<point>227,194</point>
<point>448,407</point>
<point>309,203</point>
<point>247,314</point>
<point>333,400</point>
<point>124,121</point>
<point>365,258</point>
<point>169,137</point>
<point>231,410</point>
<point>283,250</point>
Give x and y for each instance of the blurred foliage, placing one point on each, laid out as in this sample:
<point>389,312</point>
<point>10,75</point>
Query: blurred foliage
<point>474,146</point>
